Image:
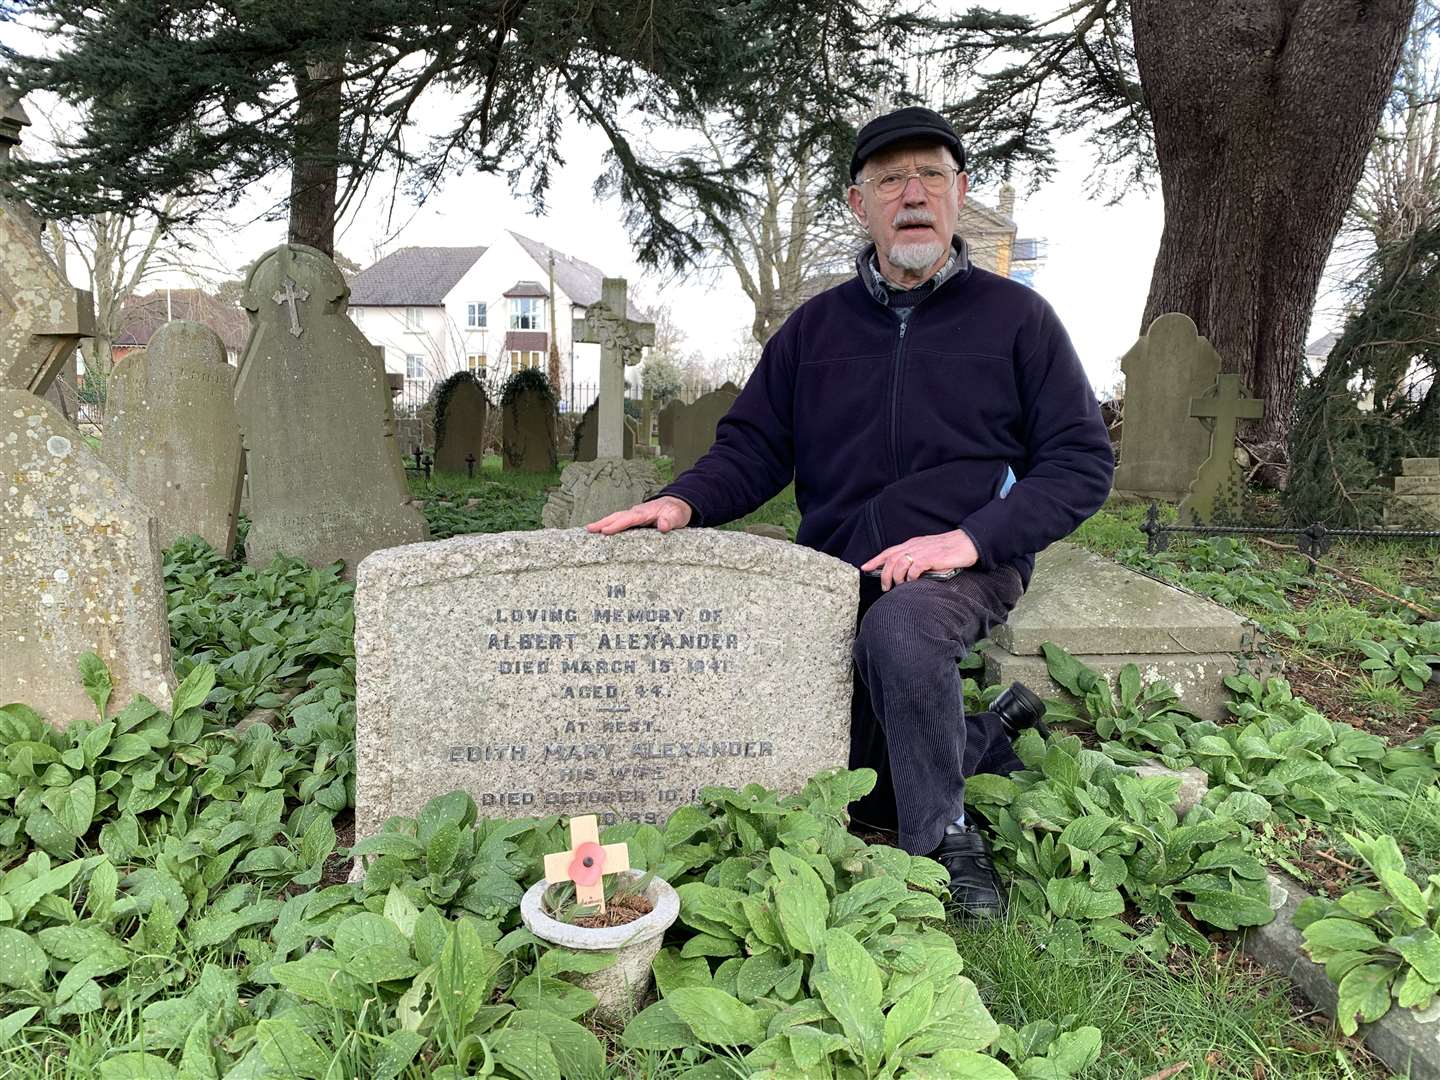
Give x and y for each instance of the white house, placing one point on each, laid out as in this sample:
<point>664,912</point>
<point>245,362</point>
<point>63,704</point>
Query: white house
<point>439,310</point>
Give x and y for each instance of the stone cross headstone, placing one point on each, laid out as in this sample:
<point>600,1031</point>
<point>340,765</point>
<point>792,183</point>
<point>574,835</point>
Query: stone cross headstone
<point>665,425</point>
<point>460,427</point>
<point>1162,445</point>
<point>42,316</point>
<point>695,428</point>
<point>1109,615</point>
<point>325,479</point>
<point>592,489</point>
<point>1218,485</point>
<point>172,436</point>
<point>567,673</point>
<point>529,432</point>
<point>587,862</point>
<point>608,324</point>
<point>79,570</point>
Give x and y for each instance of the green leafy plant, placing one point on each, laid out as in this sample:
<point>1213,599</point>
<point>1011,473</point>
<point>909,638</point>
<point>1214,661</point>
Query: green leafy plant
<point>1391,661</point>
<point>1140,724</point>
<point>1378,944</point>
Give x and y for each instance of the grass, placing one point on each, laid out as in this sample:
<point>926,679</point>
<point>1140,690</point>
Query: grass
<point>1217,1012</point>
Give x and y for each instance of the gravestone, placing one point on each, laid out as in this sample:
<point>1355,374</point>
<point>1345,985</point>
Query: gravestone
<point>42,316</point>
<point>1217,492</point>
<point>669,417</point>
<point>1163,445</point>
<point>1416,498</point>
<point>1108,615</point>
<point>568,673</point>
<point>325,479</point>
<point>695,429</point>
<point>171,434</point>
<point>79,570</point>
<point>460,426</point>
<point>587,437</point>
<point>529,432</point>
<point>592,489</point>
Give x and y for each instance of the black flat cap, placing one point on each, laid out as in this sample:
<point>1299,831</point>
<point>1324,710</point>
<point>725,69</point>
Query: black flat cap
<point>911,122</point>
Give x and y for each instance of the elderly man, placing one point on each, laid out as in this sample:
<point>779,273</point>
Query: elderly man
<point>940,431</point>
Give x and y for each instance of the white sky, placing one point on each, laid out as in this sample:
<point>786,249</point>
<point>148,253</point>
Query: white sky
<point>1097,271</point>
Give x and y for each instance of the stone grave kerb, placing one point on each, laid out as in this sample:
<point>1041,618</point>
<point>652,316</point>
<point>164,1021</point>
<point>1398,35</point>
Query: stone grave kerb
<point>621,340</point>
<point>1218,482</point>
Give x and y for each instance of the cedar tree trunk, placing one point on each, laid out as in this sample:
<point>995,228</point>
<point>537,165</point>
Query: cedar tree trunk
<point>1264,114</point>
<point>314,179</point>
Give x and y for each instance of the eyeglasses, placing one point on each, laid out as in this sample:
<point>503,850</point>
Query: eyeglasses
<point>936,179</point>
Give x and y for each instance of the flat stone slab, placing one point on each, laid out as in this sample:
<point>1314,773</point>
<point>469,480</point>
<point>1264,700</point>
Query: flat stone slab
<point>1198,678</point>
<point>1417,485</point>
<point>1088,604</point>
<point>1405,1040</point>
<point>559,672</point>
<point>1420,466</point>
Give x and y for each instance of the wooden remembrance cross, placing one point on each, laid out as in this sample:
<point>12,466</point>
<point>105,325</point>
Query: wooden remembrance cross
<point>620,338</point>
<point>587,862</point>
<point>1219,474</point>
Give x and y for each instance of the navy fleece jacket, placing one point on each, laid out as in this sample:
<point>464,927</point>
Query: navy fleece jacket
<point>899,422</point>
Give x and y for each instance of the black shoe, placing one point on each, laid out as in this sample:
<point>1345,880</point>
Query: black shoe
<point>975,889</point>
<point>1020,708</point>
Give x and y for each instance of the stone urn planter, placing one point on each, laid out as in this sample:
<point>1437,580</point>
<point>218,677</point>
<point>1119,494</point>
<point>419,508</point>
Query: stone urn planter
<point>621,988</point>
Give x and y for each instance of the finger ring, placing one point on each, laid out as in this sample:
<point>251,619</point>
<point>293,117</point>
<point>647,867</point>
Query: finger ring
<point>909,558</point>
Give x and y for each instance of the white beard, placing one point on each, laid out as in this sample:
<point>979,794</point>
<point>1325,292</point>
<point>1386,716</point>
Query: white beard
<point>916,256</point>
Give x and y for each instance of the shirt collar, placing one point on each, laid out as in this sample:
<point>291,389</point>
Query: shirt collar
<point>868,266</point>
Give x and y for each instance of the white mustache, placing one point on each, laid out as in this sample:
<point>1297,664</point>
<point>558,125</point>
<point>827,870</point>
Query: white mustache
<point>914,217</point>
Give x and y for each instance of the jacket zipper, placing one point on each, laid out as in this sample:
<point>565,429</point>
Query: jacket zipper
<point>904,317</point>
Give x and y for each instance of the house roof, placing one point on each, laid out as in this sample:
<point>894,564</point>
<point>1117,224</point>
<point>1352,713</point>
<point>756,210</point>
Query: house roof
<point>526,289</point>
<point>142,315</point>
<point>576,278</point>
<point>413,277</point>
<point>1321,346</point>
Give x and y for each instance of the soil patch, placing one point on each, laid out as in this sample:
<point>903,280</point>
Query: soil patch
<point>618,911</point>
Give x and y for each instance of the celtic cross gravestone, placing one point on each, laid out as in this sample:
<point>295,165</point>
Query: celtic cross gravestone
<point>1219,482</point>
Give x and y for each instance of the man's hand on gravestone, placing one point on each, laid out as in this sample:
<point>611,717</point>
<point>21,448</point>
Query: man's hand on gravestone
<point>665,513</point>
<point>905,562</point>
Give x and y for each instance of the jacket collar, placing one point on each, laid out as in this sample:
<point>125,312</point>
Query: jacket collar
<point>866,266</point>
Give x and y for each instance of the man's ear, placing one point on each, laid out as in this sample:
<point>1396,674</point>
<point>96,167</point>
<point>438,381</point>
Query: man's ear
<point>962,186</point>
<point>857,204</point>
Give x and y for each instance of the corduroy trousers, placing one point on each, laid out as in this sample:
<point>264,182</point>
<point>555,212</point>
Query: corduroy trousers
<point>907,718</point>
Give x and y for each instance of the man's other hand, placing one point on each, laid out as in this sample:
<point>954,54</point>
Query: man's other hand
<point>665,513</point>
<point>905,562</point>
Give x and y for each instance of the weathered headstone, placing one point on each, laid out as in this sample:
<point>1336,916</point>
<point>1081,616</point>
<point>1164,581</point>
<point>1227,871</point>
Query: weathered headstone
<point>171,434</point>
<point>460,426</point>
<point>325,480</point>
<point>1163,445</point>
<point>42,316</point>
<point>79,570</point>
<point>669,417</point>
<point>1416,498</point>
<point>587,437</point>
<point>529,432</point>
<point>1107,615</point>
<point>1219,485</point>
<point>567,673</point>
<point>695,429</point>
<point>591,489</point>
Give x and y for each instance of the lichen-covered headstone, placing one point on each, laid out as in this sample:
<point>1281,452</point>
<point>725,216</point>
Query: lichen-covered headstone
<point>1218,489</point>
<point>460,426</point>
<point>587,440</point>
<point>79,570</point>
<point>529,432</point>
<point>569,673</point>
<point>694,432</point>
<point>172,436</point>
<point>325,479</point>
<point>1163,445</point>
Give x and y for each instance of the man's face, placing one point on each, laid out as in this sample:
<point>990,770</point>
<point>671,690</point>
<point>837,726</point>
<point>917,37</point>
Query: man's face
<point>912,230</point>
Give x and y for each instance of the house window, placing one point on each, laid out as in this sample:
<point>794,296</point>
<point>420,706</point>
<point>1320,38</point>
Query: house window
<point>525,313</point>
<point>475,362</point>
<point>475,315</point>
<point>414,366</point>
<point>520,360</point>
<point>413,318</point>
